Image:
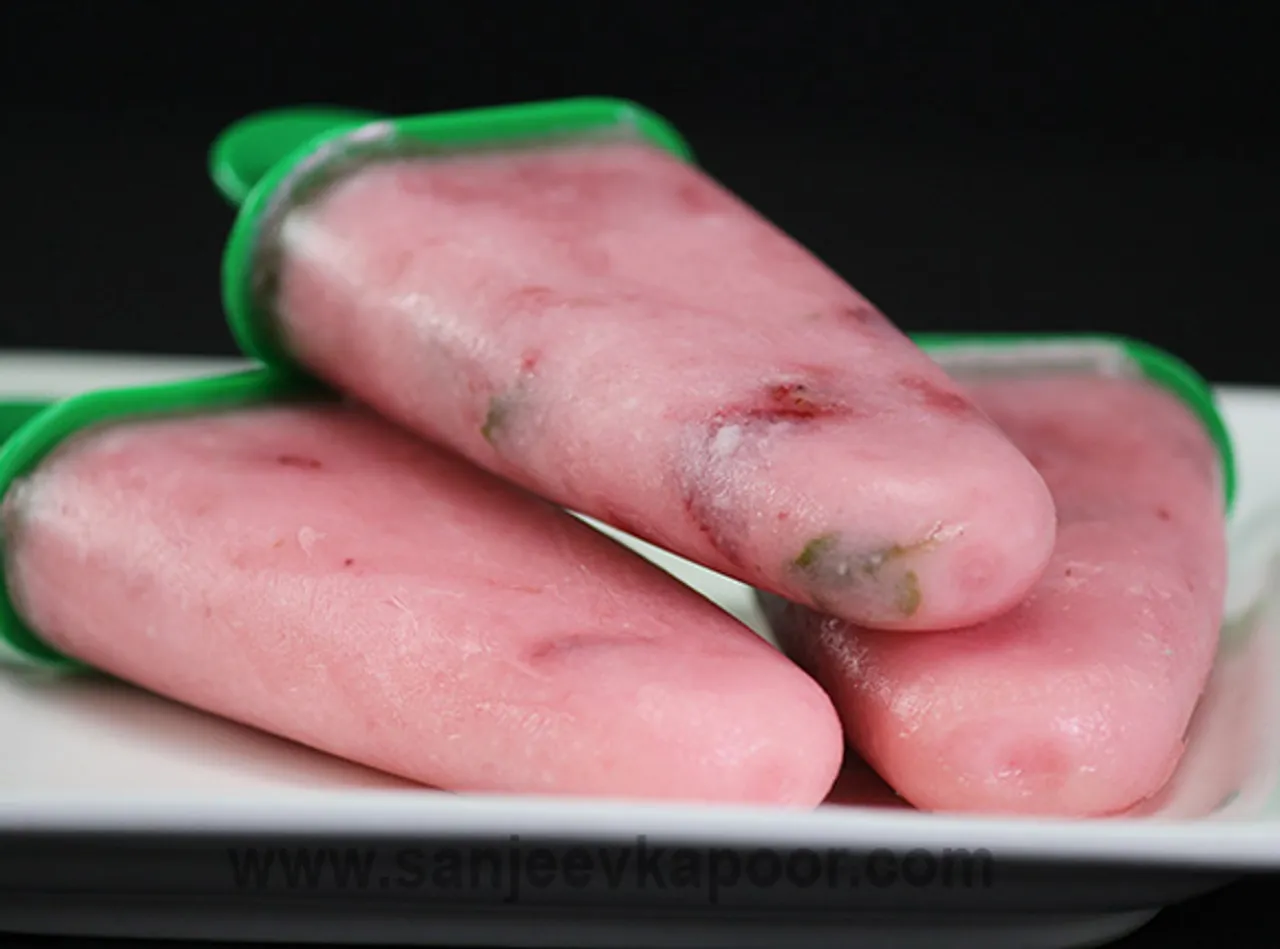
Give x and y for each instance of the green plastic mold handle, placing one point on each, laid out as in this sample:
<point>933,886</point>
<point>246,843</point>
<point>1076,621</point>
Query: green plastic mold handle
<point>32,429</point>
<point>248,149</point>
<point>1156,365</point>
<point>253,160</point>
<point>16,413</point>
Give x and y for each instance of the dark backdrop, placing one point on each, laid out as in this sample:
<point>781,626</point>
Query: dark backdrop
<point>1015,166</point>
<point>967,166</point>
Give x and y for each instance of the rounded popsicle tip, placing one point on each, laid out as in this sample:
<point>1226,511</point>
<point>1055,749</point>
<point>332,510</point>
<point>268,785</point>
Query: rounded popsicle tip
<point>756,750</point>
<point>740,726</point>
<point>974,539</point>
<point>985,563</point>
<point>971,723</point>
<point>1072,753</point>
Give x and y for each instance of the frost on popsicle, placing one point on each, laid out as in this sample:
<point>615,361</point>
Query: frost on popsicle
<point>827,565</point>
<point>726,446</point>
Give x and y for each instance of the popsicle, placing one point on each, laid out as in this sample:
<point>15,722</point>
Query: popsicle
<point>1075,703</point>
<point>306,568</point>
<point>558,294</point>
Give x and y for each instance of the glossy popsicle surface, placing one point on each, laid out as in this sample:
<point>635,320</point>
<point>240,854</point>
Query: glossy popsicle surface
<point>321,575</point>
<point>1076,702</point>
<point>608,327</point>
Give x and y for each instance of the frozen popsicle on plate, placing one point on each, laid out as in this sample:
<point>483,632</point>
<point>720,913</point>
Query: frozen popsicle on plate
<point>304,567</point>
<point>1075,703</point>
<point>558,294</point>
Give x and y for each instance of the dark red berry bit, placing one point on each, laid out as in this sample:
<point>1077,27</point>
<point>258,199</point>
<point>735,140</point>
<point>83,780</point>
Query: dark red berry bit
<point>784,402</point>
<point>534,294</point>
<point>698,198</point>
<point>861,313</point>
<point>299,461</point>
<point>621,522</point>
<point>936,397</point>
<point>708,524</point>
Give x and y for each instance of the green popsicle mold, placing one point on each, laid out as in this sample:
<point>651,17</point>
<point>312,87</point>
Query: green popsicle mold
<point>257,161</point>
<point>246,151</point>
<point>31,429</point>
<point>16,413</point>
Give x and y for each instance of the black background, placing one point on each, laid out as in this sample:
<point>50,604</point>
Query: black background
<point>968,166</point>
<point>1079,166</point>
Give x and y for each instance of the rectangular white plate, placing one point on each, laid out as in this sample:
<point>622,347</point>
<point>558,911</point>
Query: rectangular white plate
<point>94,759</point>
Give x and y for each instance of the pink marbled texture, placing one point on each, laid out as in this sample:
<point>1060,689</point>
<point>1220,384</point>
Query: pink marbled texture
<point>318,574</point>
<point>610,328</point>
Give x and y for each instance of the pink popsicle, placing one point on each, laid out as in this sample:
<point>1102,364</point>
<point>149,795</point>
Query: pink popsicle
<point>1076,702</point>
<point>317,573</point>
<point>606,326</point>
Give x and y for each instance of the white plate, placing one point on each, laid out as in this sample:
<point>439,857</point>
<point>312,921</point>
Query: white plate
<point>117,808</point>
